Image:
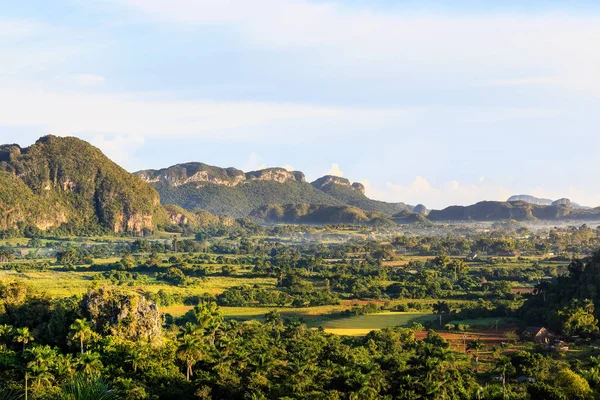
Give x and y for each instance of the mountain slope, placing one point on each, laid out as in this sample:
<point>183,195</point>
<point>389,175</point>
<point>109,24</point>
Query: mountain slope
<point>518,210</point>
<point>530,199</point>
<point>318,214</point>
<point>542,202</point>
<point>67,183</point>
<point>353,194</point>
<point>232,192</point>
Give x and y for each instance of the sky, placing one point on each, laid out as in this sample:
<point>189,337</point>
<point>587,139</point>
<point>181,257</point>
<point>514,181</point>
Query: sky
<point>431,102</point>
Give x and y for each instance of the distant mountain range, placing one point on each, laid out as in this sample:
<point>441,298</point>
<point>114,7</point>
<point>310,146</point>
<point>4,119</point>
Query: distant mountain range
<point>67,186</point>
<point>542,202</point>
<point>233,192</point>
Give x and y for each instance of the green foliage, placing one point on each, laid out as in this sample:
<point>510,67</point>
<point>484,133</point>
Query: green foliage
<point>318,214</point>
<point>67,185</point>
<point>571,303</point>
<point>83,387</point>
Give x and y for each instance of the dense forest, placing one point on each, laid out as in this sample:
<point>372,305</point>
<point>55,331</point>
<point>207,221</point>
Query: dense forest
<point>118,338</point>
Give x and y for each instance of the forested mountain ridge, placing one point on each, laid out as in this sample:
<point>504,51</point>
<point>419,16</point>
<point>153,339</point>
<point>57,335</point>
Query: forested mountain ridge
<point>232,192</point>
<point>68,186</point>
<point>65,183</point>
<point>542,202</point>
<point>516,210</point>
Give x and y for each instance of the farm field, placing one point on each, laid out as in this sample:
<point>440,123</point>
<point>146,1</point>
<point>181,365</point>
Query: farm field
<point>65,283</point>
<point>363,324</point>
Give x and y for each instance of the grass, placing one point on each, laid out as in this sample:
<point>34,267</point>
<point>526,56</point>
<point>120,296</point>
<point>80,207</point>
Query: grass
<point>244,313</point>
<point>363,324</point>
<point>67,283</point>
<point>321,317</point>
<point>486,323</point>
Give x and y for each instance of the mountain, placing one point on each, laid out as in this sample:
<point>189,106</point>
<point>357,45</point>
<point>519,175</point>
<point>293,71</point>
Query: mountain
<point>354,194</point>
<point>517,210</point>
<point>232,192</point>
<point>530,199</point>
<point>68,184</point>
<point>542,202</point>
<point>319,214</point>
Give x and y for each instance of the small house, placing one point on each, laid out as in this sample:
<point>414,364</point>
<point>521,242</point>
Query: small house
<point>536,334</point>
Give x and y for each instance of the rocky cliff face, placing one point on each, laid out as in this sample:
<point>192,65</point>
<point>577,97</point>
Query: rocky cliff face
<point>60,182</point>
<point>183,174</point>
<point>280,175</point>
<point>329,180</point>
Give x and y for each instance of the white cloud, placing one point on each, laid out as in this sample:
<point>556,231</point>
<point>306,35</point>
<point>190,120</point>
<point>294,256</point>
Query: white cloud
<point>253,163</point>
<point>14,28</point>
<point>585,197</point>
<point>120,149</point>
<point>89,79</point>
<point>289,167</point>
<point>421,191</point>
<point>154,114</point>
<point>557,48</point>
<point>335,170</point>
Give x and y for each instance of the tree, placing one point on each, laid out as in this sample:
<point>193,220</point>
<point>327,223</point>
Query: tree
<point>81,330</point>
<point>440,308</point>
<point>90,363</point>
<point>476,345</point>
<point>578,318</point>
<point>209,317</point>
<point>572,385</point>
<point>43,358</point>
<point>23,336</point>
<point>190,351</point>
<point>6,332</point>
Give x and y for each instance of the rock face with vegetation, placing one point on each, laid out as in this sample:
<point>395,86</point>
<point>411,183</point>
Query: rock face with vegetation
<point>67,184</point>
<point>123,314</point>
<point>232,192</point>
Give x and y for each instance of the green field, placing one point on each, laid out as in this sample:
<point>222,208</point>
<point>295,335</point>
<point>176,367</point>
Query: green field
<point>363,324</point>
<point>67,283</point>
<point>320,317</point>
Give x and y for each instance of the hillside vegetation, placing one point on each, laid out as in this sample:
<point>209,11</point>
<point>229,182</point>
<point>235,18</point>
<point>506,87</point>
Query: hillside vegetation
<point>67,184</point>
<point>232,192</point>
<point>319,214</point>
<point>518,210</point>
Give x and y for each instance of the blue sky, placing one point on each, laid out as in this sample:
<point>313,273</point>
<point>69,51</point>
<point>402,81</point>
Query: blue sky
<point>424,102</point>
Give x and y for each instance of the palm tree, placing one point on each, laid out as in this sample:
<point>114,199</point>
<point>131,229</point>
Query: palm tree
<point>476,345</point>
<point>439,308</point>
<point>274,320</point>
<point>81,330</point>
<point>43,359</point>
<point>90,363</point>
<point>137,356</point>
<point>23,336</point>
<point>190,351</point>
<point>5,332</point>
<point>209,317</point>
<point>64,365</point>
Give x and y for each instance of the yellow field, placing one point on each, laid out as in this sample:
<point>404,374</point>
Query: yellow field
<point>363,324</point>
<point>67,283</point>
